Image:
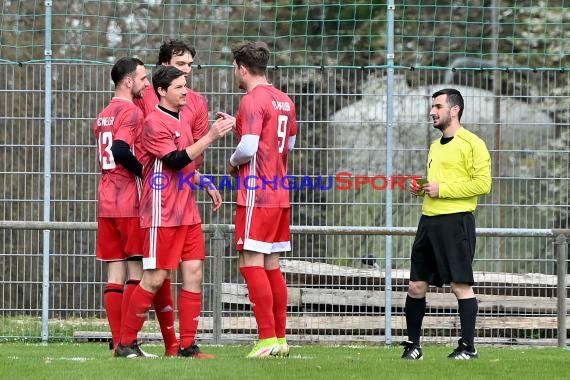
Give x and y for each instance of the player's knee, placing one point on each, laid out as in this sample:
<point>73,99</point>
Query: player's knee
<point>192,271</point>
<point>462,290</point>
<point>417,289</point>
<point>152,280</point>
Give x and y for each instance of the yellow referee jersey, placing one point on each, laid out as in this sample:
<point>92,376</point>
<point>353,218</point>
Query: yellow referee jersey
<point>462,167</point>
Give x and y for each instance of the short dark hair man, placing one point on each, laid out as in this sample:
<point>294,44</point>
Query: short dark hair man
<point>458,172</point>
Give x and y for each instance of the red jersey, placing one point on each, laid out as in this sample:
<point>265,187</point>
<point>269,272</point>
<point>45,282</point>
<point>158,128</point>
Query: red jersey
<point>118,187</point>
<point>270,114</point>
<point>167,198</point>
<point>194,112</point>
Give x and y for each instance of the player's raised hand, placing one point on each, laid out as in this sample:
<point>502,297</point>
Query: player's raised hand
<point>227,116</point>
<point>221,127</point>
<point>224,115</point>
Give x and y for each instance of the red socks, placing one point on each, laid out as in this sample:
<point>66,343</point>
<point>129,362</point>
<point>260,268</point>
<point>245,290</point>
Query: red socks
<point>129,289</point>
<point>261,298</point>
<point>136,315</point>
<point>279,289</point>
<point>112,300</point>
<point>189,308</point>
<point>164,307</point>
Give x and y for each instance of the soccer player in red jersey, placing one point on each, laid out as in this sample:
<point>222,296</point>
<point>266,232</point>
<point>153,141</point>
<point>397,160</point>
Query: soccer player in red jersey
<point>266,128</point>
<point>195,114</point>
<point>169,215</point>
<point>117,129</point>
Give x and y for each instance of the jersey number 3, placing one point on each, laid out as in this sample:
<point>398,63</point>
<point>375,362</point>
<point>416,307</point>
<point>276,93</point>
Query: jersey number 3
<point>106,158</point>
<point>282,131</point>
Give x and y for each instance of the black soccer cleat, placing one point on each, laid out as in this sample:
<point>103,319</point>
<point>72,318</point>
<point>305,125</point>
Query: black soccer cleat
<point>133,351</point>
<point>194,352</point>
<point>463,352</point>
<point>412,351</point>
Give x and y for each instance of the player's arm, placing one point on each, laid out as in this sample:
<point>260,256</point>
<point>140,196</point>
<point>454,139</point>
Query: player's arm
<point>158,141</point>
<point>250,128</point>
<point>178,159</point>
<point>478,165</point>
<point>130,123</point>
<point>291,142</point>
<point>292,128</point>
<point>123,155</point>
<point>211,190</point>
<point>245,150</point>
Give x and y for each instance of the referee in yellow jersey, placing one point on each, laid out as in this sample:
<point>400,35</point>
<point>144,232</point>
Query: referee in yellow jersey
<point>458,171</point>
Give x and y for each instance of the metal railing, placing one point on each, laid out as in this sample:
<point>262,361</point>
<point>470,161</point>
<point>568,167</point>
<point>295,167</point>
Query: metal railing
<point>218,242</point>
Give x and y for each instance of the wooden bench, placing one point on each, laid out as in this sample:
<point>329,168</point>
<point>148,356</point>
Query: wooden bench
<point>326,299</point>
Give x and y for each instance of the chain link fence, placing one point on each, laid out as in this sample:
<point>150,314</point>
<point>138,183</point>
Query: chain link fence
<point>344,286</point>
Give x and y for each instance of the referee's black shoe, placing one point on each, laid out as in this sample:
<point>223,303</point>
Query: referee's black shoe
<point>464,352</point>
<point>412,351</point>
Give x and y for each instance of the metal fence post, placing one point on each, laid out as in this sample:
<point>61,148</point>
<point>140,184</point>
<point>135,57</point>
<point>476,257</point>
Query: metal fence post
<point>561,269</point>
<point>218,253</point>
<point>389,153</point>
<point>47,173</point>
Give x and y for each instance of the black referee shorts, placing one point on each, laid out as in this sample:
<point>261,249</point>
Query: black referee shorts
<point>443,249</point>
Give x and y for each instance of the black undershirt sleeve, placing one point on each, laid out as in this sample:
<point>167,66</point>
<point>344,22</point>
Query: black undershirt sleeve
<point>176,159</point>
<point>122,155</point>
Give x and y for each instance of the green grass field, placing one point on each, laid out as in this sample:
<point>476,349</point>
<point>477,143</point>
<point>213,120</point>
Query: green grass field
<point>93,361</point>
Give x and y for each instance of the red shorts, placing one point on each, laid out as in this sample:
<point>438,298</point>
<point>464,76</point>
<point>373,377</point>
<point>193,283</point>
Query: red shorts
<point>263,229</point>
<point>118,238</point>
<point>166,247</point>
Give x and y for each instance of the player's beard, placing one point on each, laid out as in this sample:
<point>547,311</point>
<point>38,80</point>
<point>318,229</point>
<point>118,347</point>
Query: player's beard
<point>442,124</point>
<point>239,81</point>
<point>138,94</point>
<point>440,127</point>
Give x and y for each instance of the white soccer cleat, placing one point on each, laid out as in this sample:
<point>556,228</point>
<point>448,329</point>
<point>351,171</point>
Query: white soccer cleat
<point>283,350</point>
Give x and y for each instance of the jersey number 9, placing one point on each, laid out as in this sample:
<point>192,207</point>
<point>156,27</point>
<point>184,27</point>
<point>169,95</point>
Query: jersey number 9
<point>282,131</point>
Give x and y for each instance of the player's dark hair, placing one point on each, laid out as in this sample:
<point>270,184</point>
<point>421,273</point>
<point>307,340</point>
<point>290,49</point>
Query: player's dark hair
<point>254,55</point>
<point>124,67</point>
<point>454,98</point>
<point>173,48</point>
<point>163,76</point>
